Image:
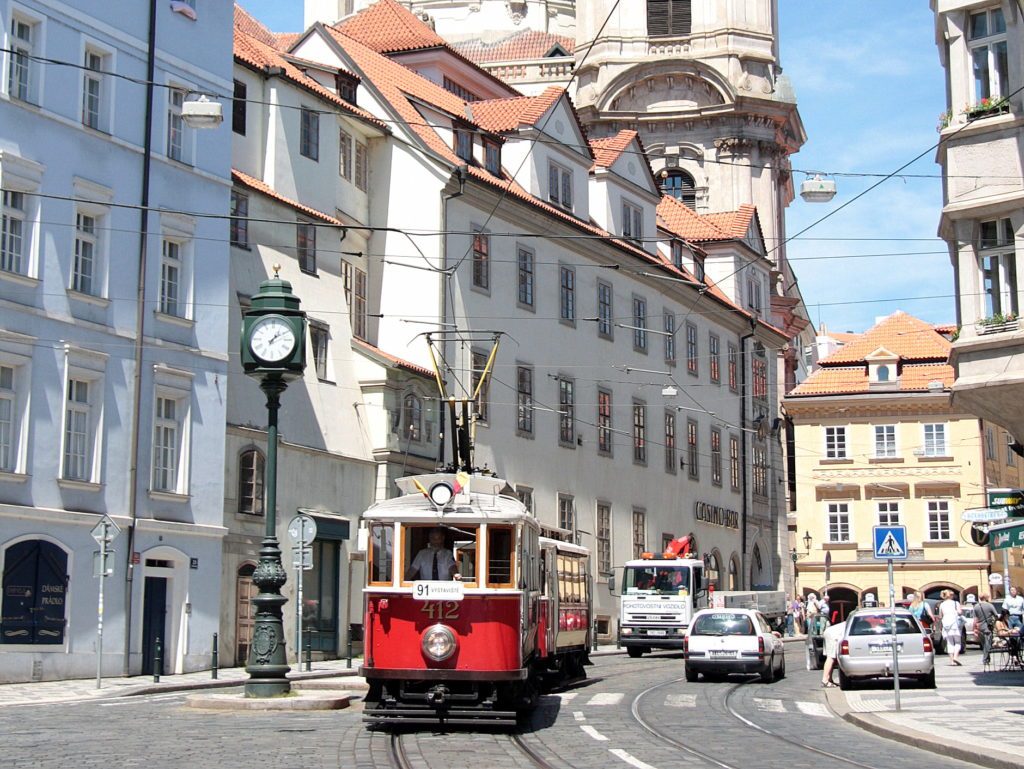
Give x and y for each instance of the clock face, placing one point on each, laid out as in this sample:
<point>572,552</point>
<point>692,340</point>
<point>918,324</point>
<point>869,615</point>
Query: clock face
<point>271,339</point>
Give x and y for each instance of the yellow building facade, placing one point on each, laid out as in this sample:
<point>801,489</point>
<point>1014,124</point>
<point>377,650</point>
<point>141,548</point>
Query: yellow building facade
<point>878,442</point>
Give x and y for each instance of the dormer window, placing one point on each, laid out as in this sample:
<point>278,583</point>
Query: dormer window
<point>989,60</point>
<point>464,143</point>
<point>698,268</point>
<point>632,222</point>
<point>492,156</point>
<point>883,369</point>
<point>346,86</point>
<point>677,253</point>
<point>560,186</point>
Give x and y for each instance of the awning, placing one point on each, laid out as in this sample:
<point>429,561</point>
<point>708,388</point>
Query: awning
<point>1006,535</point>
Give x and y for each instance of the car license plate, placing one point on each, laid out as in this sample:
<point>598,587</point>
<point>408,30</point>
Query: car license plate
<point>883,648</point>
<point>656,632</point>
<point>723,653</point>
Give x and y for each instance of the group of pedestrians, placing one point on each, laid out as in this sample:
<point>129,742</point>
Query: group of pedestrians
<point>808,614</point>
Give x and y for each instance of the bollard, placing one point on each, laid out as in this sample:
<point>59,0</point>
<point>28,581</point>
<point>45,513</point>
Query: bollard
<point>348,653</point>
<point>309,654</point>
<point>215,662</point>
<point>595,635</point>
<point>158,662</point>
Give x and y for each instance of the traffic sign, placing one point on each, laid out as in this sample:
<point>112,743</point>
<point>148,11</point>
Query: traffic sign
<point>302,529</point>
<point>890,542</point>
<point>302,558</point>
<point>102,565</point>
<point>105,531</point>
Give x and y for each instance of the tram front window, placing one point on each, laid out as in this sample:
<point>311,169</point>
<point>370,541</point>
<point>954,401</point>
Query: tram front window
<point>656,579</point>
<point>381,552</point>
<point>440,553</point>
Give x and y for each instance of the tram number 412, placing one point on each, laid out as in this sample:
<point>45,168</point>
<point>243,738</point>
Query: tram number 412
<point>441,609</point>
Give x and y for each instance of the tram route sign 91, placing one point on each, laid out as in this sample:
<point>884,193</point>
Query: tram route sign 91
<point>431,590</point>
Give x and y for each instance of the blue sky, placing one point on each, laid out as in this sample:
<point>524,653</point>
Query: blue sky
<point>869,88</point>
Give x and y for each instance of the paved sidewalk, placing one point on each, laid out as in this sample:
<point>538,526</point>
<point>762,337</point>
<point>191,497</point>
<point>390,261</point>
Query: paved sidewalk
<point>972,714</point>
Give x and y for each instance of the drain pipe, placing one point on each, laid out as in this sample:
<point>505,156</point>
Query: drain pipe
<point>140,320</point>
<point>743,453</point>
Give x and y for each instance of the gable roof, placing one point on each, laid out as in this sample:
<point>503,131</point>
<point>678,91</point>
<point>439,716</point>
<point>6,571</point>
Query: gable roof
<point>906,336</point>
<point>500,115</point>
<point>523,45</point>
<point>389,27</point>
<point>679,219</point>
<point>253,183</point>
<point>607,151</point>
<point>254,46</point>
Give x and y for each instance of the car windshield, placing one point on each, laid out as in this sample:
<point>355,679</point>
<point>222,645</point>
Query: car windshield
<point>878,624</point>
<point>722,623</point>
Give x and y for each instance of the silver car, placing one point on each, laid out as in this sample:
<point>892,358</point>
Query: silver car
<point>865,650</point>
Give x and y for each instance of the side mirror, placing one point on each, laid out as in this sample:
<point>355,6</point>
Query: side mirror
<point>611,584</point>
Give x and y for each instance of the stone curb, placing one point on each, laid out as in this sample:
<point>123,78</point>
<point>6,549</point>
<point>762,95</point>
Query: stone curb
<point>304,701</point>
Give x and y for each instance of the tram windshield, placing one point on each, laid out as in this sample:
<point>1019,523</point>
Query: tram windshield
<point>433,552</point>
<point>661,579</point>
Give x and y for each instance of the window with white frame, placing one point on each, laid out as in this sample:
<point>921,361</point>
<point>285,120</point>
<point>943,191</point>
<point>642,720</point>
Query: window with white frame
<point>604,310</point>
<point>567,513</point>
<point>692,451</point>
<point>714,358</point>
<point>938,520</point>
<point>524,399</point>
<point>639,532</point>
<point>560,186</point>
<point>305,245</point>
<point>170,279</point>
<point>319,338</point>
<point>669,326</point>
<point>175,124</point>
<point>935,440</point>
<point>362,167</point>
<point>716,456</point>
<point>639,433</point>
<point>481,384</point>
<point>525,495</point>
<point>632,222</point>
<point>251,476</point>
<point>759,375</point>
<point>732,363</point>
<point>8,420</point>
<point>344,154</point>
<point>525,276</point>
<point>998,264</point>
<point>888,513</point>
<point>482,260</point>
<point>734,463</point>
<point>166,444</point>
<point>692,360</point>
<point>885,441</point>
<point>354,282</point>
<point>412,416</point>
<point>79,430</point>
<point>986,35</point>
<point>83,271</point>
<point>239,228</point>
<point>566,411</point>
<point>566,293</point>
<point>639,324</point>
<point>22,71</point>
<point>309,133</point>
<point>14,233</point>
<point>838,522</point>
<point>759,468</point>
<point>604,422</point>
<point>94,86</point>
<point>670,442</point>
<point>604,537</point>
<point>835,443</point>
<point>754,300</point>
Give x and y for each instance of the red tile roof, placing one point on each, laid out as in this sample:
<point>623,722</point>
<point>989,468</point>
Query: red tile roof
<point>848,380</point>
<point>524,45</point>
<point>904,335</point>
<point>251,48</point>
<point>259,186</point>
<point>681,220</point>
<point>736,223</point>
<point>607,151</point>
<point>388,27</point>
<point>501,115</point>
<point>394,359</point>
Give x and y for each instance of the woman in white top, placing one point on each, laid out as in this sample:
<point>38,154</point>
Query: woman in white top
<point>949,615</point>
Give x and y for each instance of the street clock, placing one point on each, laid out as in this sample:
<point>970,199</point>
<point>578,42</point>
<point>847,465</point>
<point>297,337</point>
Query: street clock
<point>274,332</point>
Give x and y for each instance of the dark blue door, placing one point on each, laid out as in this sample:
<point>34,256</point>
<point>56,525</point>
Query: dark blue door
<point>35,585</point>
<point>154,620</point>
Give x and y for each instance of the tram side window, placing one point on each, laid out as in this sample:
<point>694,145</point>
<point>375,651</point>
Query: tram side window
<point>499,556</point>
<point>458,543</point>
<point>381,552</point>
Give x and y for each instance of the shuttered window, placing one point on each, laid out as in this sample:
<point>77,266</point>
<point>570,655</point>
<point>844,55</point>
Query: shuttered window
<point>668,18</point>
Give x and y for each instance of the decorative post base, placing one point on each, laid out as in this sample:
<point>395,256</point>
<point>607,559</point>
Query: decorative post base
<point>268,664</point>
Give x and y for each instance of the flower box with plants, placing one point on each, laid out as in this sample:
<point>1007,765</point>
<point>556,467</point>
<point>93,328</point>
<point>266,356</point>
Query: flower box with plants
<point>990,105</point>
<point>998,322</point>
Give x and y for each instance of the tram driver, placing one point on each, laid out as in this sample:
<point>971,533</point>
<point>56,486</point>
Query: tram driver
<point>435,561</point>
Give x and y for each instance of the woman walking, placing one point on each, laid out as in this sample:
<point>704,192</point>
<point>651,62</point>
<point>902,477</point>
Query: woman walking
<point>949,615</point>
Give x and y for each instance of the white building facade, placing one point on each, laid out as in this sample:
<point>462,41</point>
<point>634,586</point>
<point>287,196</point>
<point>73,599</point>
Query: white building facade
<point>113,352</point>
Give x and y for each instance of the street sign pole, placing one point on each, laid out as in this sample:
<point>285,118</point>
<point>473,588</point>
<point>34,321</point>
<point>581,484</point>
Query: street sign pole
<point>302,530</point>
<point>99,610</point>
<point>895,638</point>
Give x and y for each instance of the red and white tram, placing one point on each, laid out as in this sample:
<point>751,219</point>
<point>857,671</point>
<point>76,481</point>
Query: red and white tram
<point>480,646</point>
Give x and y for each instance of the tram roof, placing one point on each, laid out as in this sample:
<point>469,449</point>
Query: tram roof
<point>486,503</point>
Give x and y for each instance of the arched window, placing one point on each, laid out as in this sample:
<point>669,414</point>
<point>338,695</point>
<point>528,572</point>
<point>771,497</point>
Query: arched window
<point>883,373</point>
<point>251,472</point>
<point>681,186</point>
<point>734,574</point>
<point>412,416</point>
<point>668,18</point>
<point>35,585</point>
<point>711,567</point>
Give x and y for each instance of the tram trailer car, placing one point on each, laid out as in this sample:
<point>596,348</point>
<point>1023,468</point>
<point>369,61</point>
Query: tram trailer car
<point>515,620</point>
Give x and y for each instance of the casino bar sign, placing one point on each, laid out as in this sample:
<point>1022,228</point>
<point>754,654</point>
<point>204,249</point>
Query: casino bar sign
<point>715,515</point>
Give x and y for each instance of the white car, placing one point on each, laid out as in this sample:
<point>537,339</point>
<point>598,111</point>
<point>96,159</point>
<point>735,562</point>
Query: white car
<point>723,641</point>
<point>865,650</point>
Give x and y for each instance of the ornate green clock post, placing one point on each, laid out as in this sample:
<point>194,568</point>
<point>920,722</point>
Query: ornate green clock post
<point>273,351</point>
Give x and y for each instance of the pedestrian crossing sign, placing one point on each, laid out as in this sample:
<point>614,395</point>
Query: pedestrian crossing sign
<point>890,542</point>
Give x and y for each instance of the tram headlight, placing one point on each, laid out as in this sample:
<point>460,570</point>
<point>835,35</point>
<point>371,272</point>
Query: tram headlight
<point>439,642</point>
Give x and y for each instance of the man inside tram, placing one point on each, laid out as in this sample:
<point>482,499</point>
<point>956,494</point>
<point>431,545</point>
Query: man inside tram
<point>435,561</point>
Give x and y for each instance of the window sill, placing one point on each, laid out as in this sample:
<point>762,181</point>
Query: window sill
<point>168,496</point>
<point>311,273</point>
<point>174,320</point>
<point>95,301</point>
<point>321,380</point>
<point>250,517</point>
<point>567,445</point>
<point>939,543</point>
<point>843,461</point>
<point>242,246</point>
<point>485,290</point>
<point>21,280</point>
<point>13,477</point>
<point>68,483</point>
<point>527,307</point>
<point>936,458</point>
<point>524,434</point>
<point>886,460</point>
<point>570,322</point>
<point>840,546</point>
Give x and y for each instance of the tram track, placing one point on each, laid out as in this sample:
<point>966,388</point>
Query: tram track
<point>398,757</point>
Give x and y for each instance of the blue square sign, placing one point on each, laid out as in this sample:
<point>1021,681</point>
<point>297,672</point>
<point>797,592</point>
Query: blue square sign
<point>890,542</point>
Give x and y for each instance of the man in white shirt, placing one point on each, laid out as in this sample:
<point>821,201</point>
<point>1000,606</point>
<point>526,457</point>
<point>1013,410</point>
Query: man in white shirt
<point>435,561</point>
<point>1015,605</point>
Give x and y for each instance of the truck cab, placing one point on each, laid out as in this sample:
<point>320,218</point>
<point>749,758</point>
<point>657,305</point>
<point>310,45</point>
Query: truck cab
<point>659,597</point>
